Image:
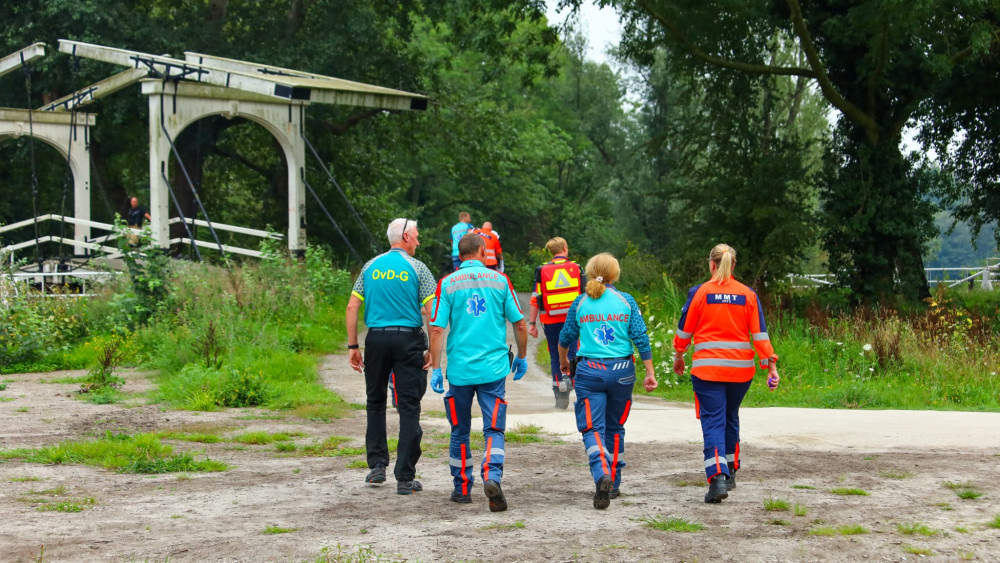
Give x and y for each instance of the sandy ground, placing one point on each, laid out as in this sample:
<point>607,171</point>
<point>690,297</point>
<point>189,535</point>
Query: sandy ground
<point>902,459</point>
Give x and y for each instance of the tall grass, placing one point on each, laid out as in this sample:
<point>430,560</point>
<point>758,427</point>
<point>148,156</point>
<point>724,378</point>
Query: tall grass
<point>942,355</point>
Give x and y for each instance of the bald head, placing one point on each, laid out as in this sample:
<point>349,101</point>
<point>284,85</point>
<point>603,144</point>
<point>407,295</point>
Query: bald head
<point>487,226</point>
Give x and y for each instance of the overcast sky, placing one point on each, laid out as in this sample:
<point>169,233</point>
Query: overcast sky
<point>600,26</point>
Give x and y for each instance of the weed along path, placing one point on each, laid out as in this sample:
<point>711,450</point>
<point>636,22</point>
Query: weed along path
<point>258,485</point>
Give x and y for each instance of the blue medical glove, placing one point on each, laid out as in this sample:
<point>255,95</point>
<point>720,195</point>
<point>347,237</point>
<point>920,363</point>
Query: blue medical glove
<point>520,367</point>
<point>437,380</point>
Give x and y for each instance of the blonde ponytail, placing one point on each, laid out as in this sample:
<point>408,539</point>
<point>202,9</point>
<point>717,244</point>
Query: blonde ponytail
<point>601,269</point>
<point>724,258</point>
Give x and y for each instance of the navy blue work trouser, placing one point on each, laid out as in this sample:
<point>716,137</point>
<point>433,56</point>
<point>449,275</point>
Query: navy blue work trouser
<point>458,409</point>
<point>603,402</point>
<point>718,407</point>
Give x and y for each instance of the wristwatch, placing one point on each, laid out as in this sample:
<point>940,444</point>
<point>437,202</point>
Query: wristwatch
<point>532,323</point>
<point>353,346</point>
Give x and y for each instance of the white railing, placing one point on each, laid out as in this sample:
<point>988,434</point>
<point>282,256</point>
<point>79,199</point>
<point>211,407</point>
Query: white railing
<point>11,283</point>
<point>983,275</point>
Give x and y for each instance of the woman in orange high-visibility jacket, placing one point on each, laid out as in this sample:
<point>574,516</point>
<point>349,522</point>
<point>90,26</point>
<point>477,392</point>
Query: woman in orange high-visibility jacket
<point>724,319</point>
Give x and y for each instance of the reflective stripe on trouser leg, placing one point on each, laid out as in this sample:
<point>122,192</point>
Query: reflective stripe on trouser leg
<point>458,404</point>
<point>712,407</point>
<point>494,408</point>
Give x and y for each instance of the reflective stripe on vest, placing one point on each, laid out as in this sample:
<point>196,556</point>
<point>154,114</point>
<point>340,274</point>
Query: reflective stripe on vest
<point>560,286</point>
<point>491,251</point>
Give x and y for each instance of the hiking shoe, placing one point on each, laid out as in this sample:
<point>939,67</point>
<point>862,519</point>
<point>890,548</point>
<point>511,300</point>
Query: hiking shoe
<point>562,400</point>
<point>717,489</point>
<point>731,482</point>
<point>495,495</point>
<point>377,475</point>
<point>460,498</point>
<point>614,494</point>
<point>407,487</point>
<point>602,498</point>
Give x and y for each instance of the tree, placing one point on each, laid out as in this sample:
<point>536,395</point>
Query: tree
<point>875,62</point>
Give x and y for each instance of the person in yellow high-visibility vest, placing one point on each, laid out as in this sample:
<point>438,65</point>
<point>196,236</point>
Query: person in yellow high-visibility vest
<point>557,283</point>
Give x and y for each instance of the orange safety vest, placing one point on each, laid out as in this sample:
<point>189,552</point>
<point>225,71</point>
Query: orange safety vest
<point>725,323</point>
<point>559,285</point>
<point>491,251</point>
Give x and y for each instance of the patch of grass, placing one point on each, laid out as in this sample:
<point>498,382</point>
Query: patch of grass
<point>898,475</point>
<point>25,479</point>
<point>434,414</point>
<point>498,526</point>
<point>66,380</point>
<point>21,409</point>
<point>775,505</point>
<point>262,438</point>
<point>360,554</point>
<point>7,399</point>
<point>260,417</point>
<point>823,531</point>
<point>842,491</point>
<point>176,516</point>
<point>852,530</point>
<point>329,447</point>
<point>800,510</point>
<point>808,487</point>
<point>778,522</point>
<point>966,555</point>
<point>67,505</point>
<point>672,524</point>
<point>917,550</point>
<point>139,453</point>
<point>16,453</point>
<point>968,494</point>
<point>358,464</point>
<point>271,530</point>
<point>953,485</point>
<point>523,433</point>
<point>196,437</point>
<point>943,505</point>
<point>961,529</point>
<point>695,483</point>
<point>285,447</point>
<point>915,528</point>
<point>994,523</point>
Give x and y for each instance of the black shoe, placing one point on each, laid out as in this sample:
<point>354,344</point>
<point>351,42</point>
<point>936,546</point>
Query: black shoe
<point>562,399</point>
<point>717,489</point>
<point>558,396</point>
<point>495,495</point>
<point>407,487</point>
<point>460,498</point>
<point>377,475</point>
<point>602,498</point>
<point>731,482</point>
<point>614,494</point>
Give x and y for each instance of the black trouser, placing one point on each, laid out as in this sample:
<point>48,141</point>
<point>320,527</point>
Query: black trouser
<point>402,353</point>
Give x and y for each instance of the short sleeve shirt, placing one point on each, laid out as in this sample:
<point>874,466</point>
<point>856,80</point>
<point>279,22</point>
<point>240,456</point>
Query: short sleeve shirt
<point>136,215</point>
<point>393,287</point>
<point>458,231</point>
<point>477,303</point>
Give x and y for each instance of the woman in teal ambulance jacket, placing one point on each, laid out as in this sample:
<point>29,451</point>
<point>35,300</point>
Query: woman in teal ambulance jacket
<point>610,327</point>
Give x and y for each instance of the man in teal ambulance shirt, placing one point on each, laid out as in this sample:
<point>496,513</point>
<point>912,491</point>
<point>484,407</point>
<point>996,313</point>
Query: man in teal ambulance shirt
<point>476,302</point>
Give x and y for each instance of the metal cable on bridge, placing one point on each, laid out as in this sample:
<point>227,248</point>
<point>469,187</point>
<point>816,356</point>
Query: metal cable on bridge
<point>330,217</point>
<point>74,68</point>
<point>371,238</point>
<point>180,213</point>
<point>180,162</point>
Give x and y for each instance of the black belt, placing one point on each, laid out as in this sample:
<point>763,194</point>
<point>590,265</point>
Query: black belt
<point>410,329</point>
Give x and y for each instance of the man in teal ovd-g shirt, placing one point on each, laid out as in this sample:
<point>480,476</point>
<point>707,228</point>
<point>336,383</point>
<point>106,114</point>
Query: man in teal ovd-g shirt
<point>393,287</point>
<point>477,303</point>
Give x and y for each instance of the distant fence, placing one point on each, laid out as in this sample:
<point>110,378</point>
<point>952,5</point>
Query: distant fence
<point>981,276</point>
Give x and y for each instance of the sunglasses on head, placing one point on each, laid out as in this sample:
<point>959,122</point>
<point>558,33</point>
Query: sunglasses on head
<point>405,223</point>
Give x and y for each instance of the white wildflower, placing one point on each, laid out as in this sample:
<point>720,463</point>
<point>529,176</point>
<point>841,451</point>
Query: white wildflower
<point>659,345</point>
<point>867,347</point>
<point>671,331</point>
<point>651,317</point>
<point>871,369</point>
<point>840,344</point>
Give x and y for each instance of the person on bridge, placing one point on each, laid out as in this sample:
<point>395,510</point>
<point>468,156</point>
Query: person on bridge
<point>608,324</point>
<point>396,290</point>
<point>477,303</point>
<point>494,254</point>
<point>725,321</point>
<point>134,218</point>
<point>459,230</point>
<point>557,283</point>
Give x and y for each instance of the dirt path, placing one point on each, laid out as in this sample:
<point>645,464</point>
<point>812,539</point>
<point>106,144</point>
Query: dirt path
<point>901,459</point>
